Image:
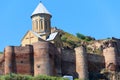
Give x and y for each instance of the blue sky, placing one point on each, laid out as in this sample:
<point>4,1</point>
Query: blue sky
<point>96,18</point>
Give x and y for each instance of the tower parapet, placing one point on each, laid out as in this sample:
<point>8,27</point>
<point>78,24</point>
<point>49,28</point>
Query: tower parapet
<point>81,63</point>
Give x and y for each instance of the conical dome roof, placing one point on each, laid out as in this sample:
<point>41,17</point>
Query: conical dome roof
<point>40,9</point>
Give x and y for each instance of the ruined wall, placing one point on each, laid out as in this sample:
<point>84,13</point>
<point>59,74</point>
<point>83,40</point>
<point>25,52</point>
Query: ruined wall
<point>18,60</point>
<point>95,62</point>
<point>110,58</point>
<point>117,47</point>
<point>95,58</point>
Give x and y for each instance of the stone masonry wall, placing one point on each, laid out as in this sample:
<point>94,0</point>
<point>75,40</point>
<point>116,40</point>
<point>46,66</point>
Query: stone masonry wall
<point>81,63</point>
<point>95,62</point>
<point>43,59</point>
<point>18,60</point>
<point>40,58</point>
<point>2,64</point>
<point>68,62</point>
<point>110,58</point>
<point>23,60</point>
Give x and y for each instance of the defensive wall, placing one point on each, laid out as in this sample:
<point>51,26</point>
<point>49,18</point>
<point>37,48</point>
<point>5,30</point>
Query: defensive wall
<point>35,59</point>
<point>44,58</point>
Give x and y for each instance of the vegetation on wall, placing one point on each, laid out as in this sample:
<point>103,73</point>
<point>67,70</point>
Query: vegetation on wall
<point>95,51</point>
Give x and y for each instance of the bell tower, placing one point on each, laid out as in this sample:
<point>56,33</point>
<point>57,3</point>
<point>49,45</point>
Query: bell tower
<point>41,21</point>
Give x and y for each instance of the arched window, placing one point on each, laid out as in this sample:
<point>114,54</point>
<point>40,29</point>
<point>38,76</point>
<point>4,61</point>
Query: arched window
<point>41,23</point>
<point>36,24</point>
<point>46,25</point>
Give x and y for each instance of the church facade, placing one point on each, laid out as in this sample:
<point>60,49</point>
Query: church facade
<point>41,28</point>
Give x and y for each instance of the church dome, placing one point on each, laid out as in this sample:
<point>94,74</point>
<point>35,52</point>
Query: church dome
<point>40,9</point>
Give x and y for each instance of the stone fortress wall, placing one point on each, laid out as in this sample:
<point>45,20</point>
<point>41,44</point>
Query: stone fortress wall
<point>18,60</point>
<point>35,59</point>
<point>44,58</point>
<point>75,63</point>
<point>81,63</point>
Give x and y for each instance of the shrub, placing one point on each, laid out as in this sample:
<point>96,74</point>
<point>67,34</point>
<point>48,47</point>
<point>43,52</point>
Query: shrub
<point>28,77</point>
<point>72,43</point>
<point>76,79</point>
<point>16,77</point>
<point>64,39</point>
<point>81,36</point>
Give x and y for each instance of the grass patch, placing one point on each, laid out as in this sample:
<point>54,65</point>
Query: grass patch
<point>70,40</point>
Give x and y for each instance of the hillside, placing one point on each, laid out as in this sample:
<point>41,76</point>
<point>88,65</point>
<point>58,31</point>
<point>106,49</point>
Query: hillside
<point>72,41</point>
<point>92,46</point>
<point>69,40</point>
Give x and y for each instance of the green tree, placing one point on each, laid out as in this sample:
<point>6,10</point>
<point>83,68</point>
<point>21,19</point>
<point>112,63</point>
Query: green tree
<point>81,36</point>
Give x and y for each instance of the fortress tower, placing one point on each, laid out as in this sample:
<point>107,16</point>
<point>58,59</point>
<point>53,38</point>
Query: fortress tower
<point>110,58</point>
<point>43,59</point>
<point>81,63</point>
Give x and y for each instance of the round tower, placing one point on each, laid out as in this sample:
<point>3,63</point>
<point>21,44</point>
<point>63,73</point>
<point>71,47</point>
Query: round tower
<point>110,58</point>
<point>81,63</point>
<point>8,59</point>
<point>42,62</point>
<point>41,21</point>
